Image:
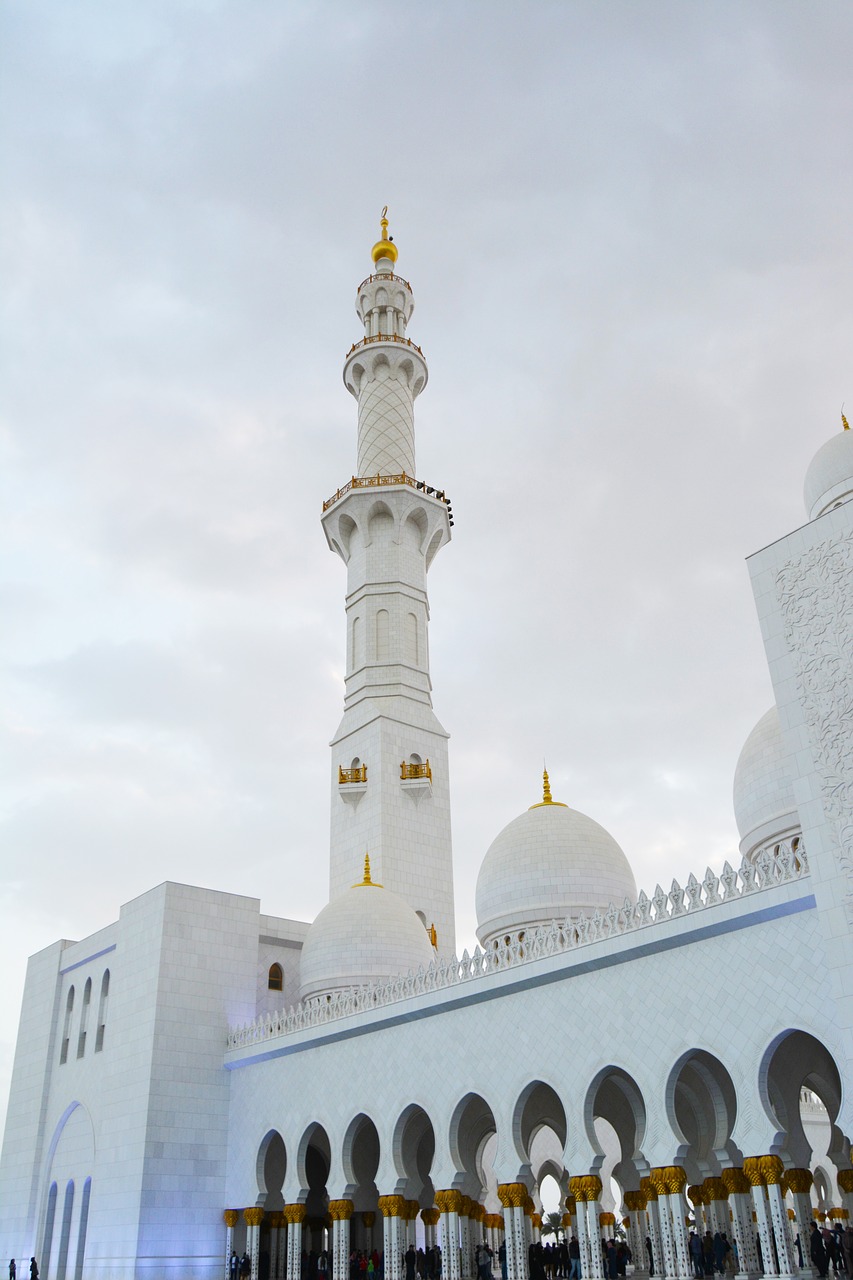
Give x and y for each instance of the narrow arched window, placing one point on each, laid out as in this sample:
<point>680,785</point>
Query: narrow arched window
<point>82,1229</point>
<point>84,1018</point>
<point>382,635</point>
<point>102,1011</point>
<point>66,1030</point>
<point>275,978</point>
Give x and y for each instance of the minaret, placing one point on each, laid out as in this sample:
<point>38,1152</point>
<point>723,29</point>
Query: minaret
<point>390,786</point>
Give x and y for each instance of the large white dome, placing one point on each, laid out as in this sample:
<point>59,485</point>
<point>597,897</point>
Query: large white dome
<point>829,479</point>
<point>763,789</point>
<point>368,934</point>
<point>549,863</point>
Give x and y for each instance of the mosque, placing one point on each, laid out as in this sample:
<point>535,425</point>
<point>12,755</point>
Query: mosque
<point>198,1077</point>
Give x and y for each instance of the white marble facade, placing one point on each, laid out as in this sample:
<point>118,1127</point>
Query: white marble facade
<point>183,1084</point>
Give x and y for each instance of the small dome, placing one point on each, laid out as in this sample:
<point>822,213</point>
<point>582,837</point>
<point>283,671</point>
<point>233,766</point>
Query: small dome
<point>829,479</point>
<point>368,934</point>
<point>763,790</point>
<point>549,863</point>
<point>384,247</point>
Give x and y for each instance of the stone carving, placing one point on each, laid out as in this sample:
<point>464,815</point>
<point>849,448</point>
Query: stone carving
<point>815,593</point>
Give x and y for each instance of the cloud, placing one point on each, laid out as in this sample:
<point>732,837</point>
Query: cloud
<point>627,231</point>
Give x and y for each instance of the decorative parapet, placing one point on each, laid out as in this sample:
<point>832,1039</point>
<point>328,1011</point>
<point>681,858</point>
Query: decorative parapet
<point>766,870</point>
<point>379,482</point>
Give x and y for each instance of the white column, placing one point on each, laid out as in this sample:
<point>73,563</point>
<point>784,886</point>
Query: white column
<point>448,1204</point>
<point>655,1233</point>
<point>295,1215</point>
<point>274,1221</point>
<point>754,1172</point>
<point>230,1217</point>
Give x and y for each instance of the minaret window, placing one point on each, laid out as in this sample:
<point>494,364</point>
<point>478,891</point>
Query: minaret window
<point>382,635</point>
<point>357,772</point>
<point>414,767</point>
<point>102,1011</point>
<point>66,1030</point>
<point>84,1018</point>
<point>412,639</point>
<point>275,978</point>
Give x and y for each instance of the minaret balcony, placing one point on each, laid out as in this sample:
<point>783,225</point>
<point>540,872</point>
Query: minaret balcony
<point>359,774</point>
<point>416,779</point>
<point>384,337</point>
<point>378,482</point>
<point>385,278</point>
<point>352,783</point>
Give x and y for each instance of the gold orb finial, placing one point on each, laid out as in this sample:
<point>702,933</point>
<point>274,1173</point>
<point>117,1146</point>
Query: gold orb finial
<point>546,794</point>
<point>372,884</point>
<point>384,247</point>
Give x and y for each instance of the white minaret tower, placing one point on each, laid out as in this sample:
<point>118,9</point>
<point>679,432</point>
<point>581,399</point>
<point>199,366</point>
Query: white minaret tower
<point>390,786</point>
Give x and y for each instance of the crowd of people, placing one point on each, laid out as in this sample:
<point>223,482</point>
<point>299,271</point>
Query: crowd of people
<point>711,1255</point>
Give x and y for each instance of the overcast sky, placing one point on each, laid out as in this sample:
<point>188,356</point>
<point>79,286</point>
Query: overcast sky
<point>627,227</point>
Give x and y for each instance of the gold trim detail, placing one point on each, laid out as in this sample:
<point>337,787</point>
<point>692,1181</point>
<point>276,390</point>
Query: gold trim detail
<point>254,1216</point>
<point>230,1216</point>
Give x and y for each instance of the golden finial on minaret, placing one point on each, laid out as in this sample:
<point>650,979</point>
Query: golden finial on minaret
<point>546,794</point>
<point>845,424</point>
<point>373,884</point>
<point>384,247</point>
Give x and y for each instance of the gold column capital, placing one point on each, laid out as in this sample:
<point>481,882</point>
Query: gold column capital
<point>295,1213</point>
<point>715,1189</point>
<point>571,1203</point>
<point>648,1189</point>
<point>772,1169</point>
<point>735,1181</point>
<point>254,1216</point>
<point>449,1201</point>
<point>567,1220</point>
<point>753,1171</point>
<point>230,1216</point>
<point>340,1210</point>
<point>368,1217</point>
<point>657,1177</point>
<point>392,1206</point>
<point>634,1200</point>
<point>845,1179</point>
<point>430,1217</point>
<point>536,1219</point>
<point>606,1219</point>
<point>676,1179</point>
<point>512,1195</point>
<point>696,1194</point>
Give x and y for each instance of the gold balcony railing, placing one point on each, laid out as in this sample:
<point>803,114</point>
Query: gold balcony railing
<point>384,337</point>
<point>392,279</point>
<point>375,482</point>
<point>415,770</point>
<point>352,775</point>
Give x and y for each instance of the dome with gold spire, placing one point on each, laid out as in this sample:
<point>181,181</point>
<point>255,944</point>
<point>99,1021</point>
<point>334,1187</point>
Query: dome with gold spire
<point>550,863</point>
<point>384,247</point>
<point>829,479</point>
<point>367,934</point>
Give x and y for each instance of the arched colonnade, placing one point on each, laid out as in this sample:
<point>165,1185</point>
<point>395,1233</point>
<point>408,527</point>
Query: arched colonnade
<point>417,1186</point>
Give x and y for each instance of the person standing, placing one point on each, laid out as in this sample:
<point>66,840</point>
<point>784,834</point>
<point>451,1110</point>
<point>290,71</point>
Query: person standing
<point>13,1270</point>
<point>34,1271</point>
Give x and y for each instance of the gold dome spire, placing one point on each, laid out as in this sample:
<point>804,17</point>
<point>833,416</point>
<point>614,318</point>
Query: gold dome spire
<point>845,424</point>
<point>384,247</point>
<point>546,794</point>
<point>373,884</point>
